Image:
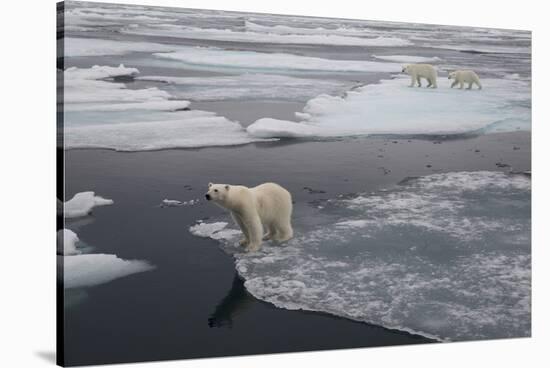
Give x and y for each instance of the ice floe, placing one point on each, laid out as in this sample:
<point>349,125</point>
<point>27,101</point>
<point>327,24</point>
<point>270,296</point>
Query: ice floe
<point>75,46</point>
<point>173,30</point>
<point>186,129</point>
<point>391,107</point>
<point>82,204</point>
<point>84,270</point>
<point>288,30</point>
<point>100,113</point>
<point>209,57</point>
<point>177,203</point>
<point>86,89</point>
<point>66,242</point>
<point>445,255</point>
<point>407,58</point>
<point>248,86</point>
<point>483,48</point>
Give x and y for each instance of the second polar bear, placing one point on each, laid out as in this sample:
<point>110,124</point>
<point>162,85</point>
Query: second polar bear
<point>267,205</point>
<point>418,71</point>
<point>464,76</point>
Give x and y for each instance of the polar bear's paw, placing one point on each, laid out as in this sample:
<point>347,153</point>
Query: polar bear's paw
<point>243,242</point>
<point>253,247</point>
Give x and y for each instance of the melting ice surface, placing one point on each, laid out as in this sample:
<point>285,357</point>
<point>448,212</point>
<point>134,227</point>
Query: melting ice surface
<point>248,86</point>
<point>101,113</point>
<point>445,255</point>
<point>210,57</point>
<point>391,107</point>
<point>216,34</point>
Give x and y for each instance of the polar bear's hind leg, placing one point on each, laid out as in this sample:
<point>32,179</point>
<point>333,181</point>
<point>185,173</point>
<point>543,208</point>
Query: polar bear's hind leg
<point>284,232</point>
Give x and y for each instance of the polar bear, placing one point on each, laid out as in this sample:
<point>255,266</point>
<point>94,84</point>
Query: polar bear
<point>465,76</point>
<point>417,71</point>
<point>266,206</point>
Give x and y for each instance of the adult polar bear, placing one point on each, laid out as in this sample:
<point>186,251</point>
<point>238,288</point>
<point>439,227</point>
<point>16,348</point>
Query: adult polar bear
<point>268,205</point>
<point>418,71</point>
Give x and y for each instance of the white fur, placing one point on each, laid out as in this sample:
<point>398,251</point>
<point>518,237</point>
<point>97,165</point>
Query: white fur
<point>266,206</point>
<point>418,71</point>
<point>464,76</point>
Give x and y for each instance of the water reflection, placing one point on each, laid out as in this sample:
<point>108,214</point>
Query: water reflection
<point>234,303</point>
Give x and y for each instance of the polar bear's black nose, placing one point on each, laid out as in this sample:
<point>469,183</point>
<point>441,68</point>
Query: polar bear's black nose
<point>207,196</point>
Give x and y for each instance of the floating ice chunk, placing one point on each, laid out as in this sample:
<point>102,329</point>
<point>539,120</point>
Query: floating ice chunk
<point>86,270</point>
<point>446,256</point>
<point>185,129</point>
<point>99,72</point>
<point>68,239</point>
<point>171,203</point>
<point>173,30</point>
<point>274,128</point>
<point>407,58</point>
<point>82,204</point>
<point>266,62</point>
<point>393,108</point>
<point>215,230</point>
<point>95,47</point>
<point>176,203</point>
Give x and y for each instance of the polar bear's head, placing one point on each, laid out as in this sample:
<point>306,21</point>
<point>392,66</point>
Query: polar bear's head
<point>452,75</point>
<point>217,192</point>
<point>405,68</point>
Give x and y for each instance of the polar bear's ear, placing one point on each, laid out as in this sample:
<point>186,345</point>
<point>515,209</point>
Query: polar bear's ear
<point>209,185</point>
<point>226,187</point>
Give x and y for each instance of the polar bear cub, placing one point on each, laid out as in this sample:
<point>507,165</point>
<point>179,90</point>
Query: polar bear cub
<point>268,206</point>
<point>418,71</point>
<point>464,76</point>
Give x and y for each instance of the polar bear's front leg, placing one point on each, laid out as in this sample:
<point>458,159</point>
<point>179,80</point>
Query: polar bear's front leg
<point>418,81</point>
<point>254,229</point>
<point>413,80</point>
<point>245,240</point>
<point>461,84</point>
<point>454,83</point>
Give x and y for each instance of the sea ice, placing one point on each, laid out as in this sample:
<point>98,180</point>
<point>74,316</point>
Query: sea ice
<point>392,107</point>
<point>82,204</point>
<point>407,58</point>
<point>249,86</point>
<point>204,57</point>
<point>185,129</point>
<point>68,239</point>
<point>173,30</point>
<point>95,47</point>
<point>445,255</point>
<point>84,270</point>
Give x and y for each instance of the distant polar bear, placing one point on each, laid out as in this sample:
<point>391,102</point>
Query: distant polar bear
<point>268,205</point>
<point>417,71</point>
<point>464,76</point>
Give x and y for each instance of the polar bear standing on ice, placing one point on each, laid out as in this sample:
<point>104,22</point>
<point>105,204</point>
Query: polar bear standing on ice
<point>418,71</point>
<point>464,76</point>
<point>266,206</point>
